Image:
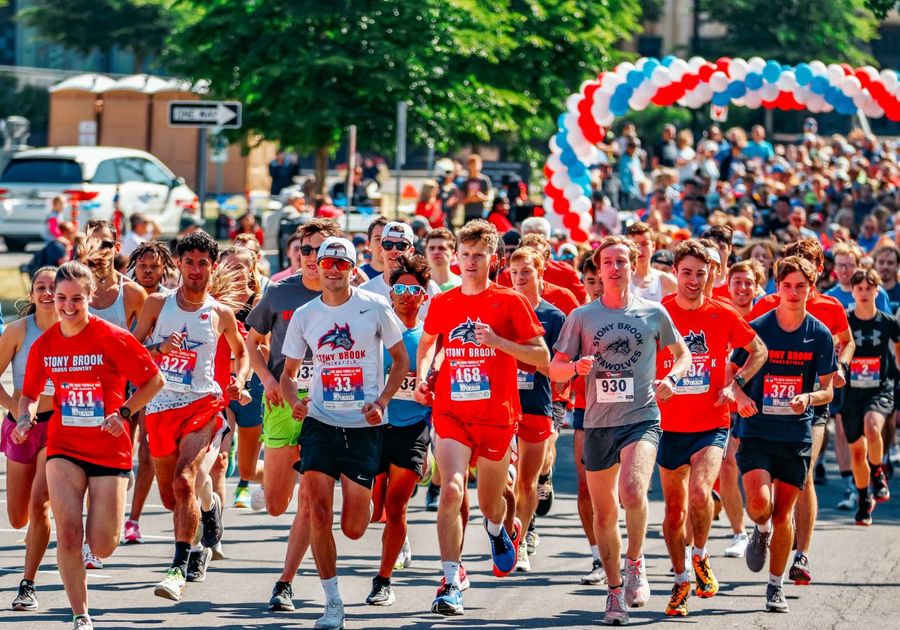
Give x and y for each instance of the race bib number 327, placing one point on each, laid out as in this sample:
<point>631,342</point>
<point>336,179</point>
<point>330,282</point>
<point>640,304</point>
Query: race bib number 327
<point>177,368</point>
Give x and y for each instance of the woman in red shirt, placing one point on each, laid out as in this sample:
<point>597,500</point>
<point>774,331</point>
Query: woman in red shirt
<point>89,362</point>
<point>499,215</point>
<point>247,224</point>
<point>429,206</point>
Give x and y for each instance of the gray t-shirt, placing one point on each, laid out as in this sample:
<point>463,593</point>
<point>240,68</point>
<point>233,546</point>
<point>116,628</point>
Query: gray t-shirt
<point>273,313</point>
<point>624,342</point>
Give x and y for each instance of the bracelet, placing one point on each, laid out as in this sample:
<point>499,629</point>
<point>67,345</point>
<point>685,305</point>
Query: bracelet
<point>809,400</point>
<point>375,402</point>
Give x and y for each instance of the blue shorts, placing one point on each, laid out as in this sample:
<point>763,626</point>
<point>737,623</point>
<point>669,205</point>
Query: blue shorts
<point>249,415</point>
<point>677,449</point>
<point>578,420</point>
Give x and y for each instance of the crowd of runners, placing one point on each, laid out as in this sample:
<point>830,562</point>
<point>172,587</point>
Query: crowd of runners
<point>465,362</point>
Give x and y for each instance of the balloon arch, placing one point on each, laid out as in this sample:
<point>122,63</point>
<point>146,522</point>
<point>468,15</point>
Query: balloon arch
<point>752,83</point>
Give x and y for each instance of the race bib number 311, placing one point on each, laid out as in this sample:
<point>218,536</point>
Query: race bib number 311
<point>342,388</point>
<point>778,391</point>
<point>81,404</point>
<point>614,387</point>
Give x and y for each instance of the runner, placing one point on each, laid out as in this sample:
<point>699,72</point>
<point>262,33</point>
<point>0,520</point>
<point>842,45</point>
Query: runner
<point>484,329</point>
<point>404,452</point>
<point>777,411</point>
<point>117,299</point>
<point>613,342</point>
<point>695,421</point>
<point>868,399</point>
<point>648,283</point>
<point>440,248</point>
<point>27,501</point>
<point>375,267</point>
<point>181,330</point>
<point>88,361</point>
<point>743,285</point>
<point>347,330</point>
<point>151,265</point>
<point>721,237</point>
<point>846,262</point>
<point>535,397</point>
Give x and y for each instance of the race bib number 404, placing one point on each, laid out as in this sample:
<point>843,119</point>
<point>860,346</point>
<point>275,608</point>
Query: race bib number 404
<point>469,381</point>
<point>614,387</point>
<point>778,391</point>
<point>342,388</point>
<point>81,404</point>
<point>177,368</point>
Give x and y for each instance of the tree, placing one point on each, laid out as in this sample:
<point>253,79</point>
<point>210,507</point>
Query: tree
<point>792,31</point>
<point>881,7</point>
<point>138,26</point>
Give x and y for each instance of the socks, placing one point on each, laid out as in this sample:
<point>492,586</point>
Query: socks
<point>702,553</point>
<point>243,483</point>
<point>595,552</point>
<point>873,468</point>
<point>196,548</point>
<point>494,529</point>
<point>543,479</point>
<point>451,572</point>
<point>182,551</point>
<point>863,493</point>
<point>330,586</point>
<point>776,580</point>
<point>764,529</point>
<point>682,577</point>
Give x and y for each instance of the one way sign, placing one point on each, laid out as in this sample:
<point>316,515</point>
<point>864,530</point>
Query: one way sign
<point>224,114</point>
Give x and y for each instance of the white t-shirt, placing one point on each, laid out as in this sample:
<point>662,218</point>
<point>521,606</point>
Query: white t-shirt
<point>347,343</point>
<point>131,242</point>
<point>379,286</point>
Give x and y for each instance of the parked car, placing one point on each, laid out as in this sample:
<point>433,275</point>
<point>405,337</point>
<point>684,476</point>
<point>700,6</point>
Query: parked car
<point>98,182</point>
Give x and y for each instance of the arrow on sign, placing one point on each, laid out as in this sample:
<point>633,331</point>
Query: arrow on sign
<point>224,114</point>
<point>205,114</point>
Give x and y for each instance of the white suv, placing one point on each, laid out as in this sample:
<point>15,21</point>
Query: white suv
<point>96,181</point>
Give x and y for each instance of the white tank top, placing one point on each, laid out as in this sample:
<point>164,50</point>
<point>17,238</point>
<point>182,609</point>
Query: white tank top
<point>653,291</point>
<point>189,371</point>
<point>115,312</point>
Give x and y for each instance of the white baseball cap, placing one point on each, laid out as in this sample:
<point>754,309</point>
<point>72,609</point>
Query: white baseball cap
<point>337,247</point>
<point>398,230</point>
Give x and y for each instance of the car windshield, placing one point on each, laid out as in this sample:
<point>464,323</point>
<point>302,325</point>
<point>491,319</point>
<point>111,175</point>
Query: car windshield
<point>42,171</point>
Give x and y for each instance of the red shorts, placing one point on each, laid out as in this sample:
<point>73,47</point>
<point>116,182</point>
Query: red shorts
<point>535,429</point>
<point>486,440</point>
<point>165,429</point>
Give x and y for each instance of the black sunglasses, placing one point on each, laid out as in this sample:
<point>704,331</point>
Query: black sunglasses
<point>107,244</point>
<point>400,246</point>
<point>306,250</point>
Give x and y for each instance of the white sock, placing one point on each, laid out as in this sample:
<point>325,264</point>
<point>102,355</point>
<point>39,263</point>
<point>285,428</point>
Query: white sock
<point>776,580</point>
<point>702,553</point>
<point>195,548</point>
<point>331,589</point>
<point>682,577</point>
<point>595,552</point>
<point>451,572</point>
<point>494,529</point>
<point>764,528</point>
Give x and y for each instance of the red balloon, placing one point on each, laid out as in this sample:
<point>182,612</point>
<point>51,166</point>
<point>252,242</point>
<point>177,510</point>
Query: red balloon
<point>547,172</point>
<point>553,192</point>
<point>579,236</point>
<point>561,206</point>
<point>690,81</point>
<point>847,68</point>
<point>571,220</point>
<point>722,64</point>
<point>706,71</point>
<point>589,91</point>
<point>539,211</point>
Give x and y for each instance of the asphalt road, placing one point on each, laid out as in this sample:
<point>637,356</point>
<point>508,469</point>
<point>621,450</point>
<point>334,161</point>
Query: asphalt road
<point>855,572</point>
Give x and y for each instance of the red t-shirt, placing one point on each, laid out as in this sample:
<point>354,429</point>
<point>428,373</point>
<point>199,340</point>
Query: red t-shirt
<point>222,361</point>
<point>500,221</point>
<point>475,383</point>
<point>723,292</point>
<point>560,297</point>
<point>89,372</point>
<point>825,308</point>
<point>432,212</point>
<point>710,332</point>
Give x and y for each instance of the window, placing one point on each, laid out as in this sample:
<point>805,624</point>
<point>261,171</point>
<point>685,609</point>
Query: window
<point>106,173</point>
<point>42,171</point>
<point>131,169</point>
<point>156,175</point>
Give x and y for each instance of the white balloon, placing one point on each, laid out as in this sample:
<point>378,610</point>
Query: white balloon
<point>753,99</point>
<point>548,205</point>
<point>640,63</point>
<point>835,73</point>
<point>646,91</point>
<point>661,76</point>
<point>678,69</point>
<point>593,155</point>
<point>817,67</point>
<point>560,180</point>
<point>850,86</point>
<point>718,81</point>
<point>859,99</point>
<point>606,119</point>
<point>704,93</point>
<point>874,110</point>
<point>555,163</point>
<point>572,192</point>
<point>695,63</point>
<point>896,91</point>
<point>769,92</point>
<point>584,214</point>
<point>787,81</point>
<point>555,220</point>
<point>756,64</point>
<point>888,79</point>
<point>584,86</point>
<point>738,69</point>
<point>554,147</point>
<point>802,94</point>
<point>871,72</point>
<point>624,68</point>
<point>572,103</point>
<point>638,103</point>
<point>580,205</point>
<point>611,81</point>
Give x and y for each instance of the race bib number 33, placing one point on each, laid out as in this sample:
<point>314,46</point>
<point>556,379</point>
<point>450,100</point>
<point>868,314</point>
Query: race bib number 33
<point>614,387</point>
<point>778,392</point>
<point>81,404</point>
<point>342,388</point>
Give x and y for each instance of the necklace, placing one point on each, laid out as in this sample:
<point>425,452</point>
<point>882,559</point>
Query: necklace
<point>184,297</point>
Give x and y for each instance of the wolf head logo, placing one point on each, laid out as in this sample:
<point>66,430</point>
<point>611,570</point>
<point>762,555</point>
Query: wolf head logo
<point>337,337</point>
<point>696,342</point>
<point>465,332</point>
<point>619,346</point>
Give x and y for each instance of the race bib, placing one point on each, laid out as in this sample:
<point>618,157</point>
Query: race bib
<point>778,392</point>
<point>696,381</point>
<point>865,372</point>
<point>81,404</point>
<point>615,387</point>
<point>468,381</point>
<point>304,376</point>
<point>407,388</point>
<point>524,380</point>
<point>177,368</point>
<point>342,388</point>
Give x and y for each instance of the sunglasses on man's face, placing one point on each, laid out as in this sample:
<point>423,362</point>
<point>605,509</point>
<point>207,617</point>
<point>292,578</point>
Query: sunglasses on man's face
<point>307,250</point>
<point>107,244</point>
<point>336,263</point>
<point>400,246</point>
<point>412,289</point>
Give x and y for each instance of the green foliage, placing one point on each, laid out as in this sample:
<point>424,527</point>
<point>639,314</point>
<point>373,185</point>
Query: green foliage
<point>29,101</point>
<point>881,7</point>
<point>792,31</point>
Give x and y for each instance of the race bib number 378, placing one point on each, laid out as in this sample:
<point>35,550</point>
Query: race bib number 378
<point>778,391</point>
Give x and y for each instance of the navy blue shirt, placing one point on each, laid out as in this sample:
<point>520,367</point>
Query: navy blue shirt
<point>535,394</point>
<point>894,297</point>
<point>795,360</point>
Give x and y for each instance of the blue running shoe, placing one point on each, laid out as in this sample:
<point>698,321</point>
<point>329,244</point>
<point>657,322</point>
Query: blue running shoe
<point>504,552</point>
<point>449,601</point>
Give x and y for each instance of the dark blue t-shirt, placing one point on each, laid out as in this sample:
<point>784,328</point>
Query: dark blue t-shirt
<point>535,395</point>
<point>795,360</point>
<point>894,297</point>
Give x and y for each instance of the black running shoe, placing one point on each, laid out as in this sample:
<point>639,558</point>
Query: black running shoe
<point>775,601</point>
<point>198,563</point>
<point>211,523</point>
<point>880,490</point>
<point>382,594</point>
<point>864,512</point>
<point>282,597</point>
<point>26,599</point>
<point>545,497</point>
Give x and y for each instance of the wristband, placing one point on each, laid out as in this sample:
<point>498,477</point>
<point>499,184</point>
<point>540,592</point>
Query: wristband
<point>375,402</point>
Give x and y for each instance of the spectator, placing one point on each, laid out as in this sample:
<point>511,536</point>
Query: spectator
<point>440,249</point>
<point>685,160</point>
<point>448,192</point>
<point>283,169</point>
<point>293,247</point>
<point>429,205</point>
<point>142,230</point>
<point>55,252</point>
<point>54,218</point>
<point>846,262</point>
<point>887,264</point>
<point>759,148</point>
<point>631,175</point>
<point>868,233</point>
<point>323,208</point>
<point>666,152</point>
<point>246,224</point>
<point>499,214</point>
<point>476,189</point>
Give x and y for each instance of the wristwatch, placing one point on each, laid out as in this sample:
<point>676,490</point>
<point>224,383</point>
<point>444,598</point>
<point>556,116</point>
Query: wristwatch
<point>672,380</point>
<point>125,412</point>
<point>740,380</point>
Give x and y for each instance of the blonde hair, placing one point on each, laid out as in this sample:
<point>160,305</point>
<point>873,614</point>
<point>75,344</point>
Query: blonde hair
<point>429,186</point>
<point>479,231</point>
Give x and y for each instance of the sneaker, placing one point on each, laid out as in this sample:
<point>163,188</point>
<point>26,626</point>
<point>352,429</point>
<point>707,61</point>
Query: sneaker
<point>738,546</point>
<point>596,575</point>
<point>432,498</point>
<point>449,601</point>
<point>799,572</point>
<point>880,490</point>
<point>637,589</point>
<point>545,497</point>
<point>172,586</point>
<point>677,606</point>
<point>82,623</point>
<point>282,597</point>
<point>819,476</point>
<point>888,467</point>
<point>132,534</point>
<point>503,552</point>
<point>464,582</point>
<point>333,619</point>
<point>707,584</point>
<point>757,550</point>
<point>523,564</point>
<point>775,601</point>
<point>382,594</point>
<point>894,454</point>
<point>217,552</point>
<point>404,558</point>
<point>616,612</point>
<point>864,513</point>
<point>850,502</point>
<point>90,560</point>
<point>532,540</point>
<point>241,498</point>
<point>198,563</point>
<point>258,499</point>
<point>26,599</point>
<point>211,523</point>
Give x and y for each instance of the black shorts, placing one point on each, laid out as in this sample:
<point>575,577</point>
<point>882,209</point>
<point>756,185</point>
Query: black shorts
<point>94,470</point>
<point>677,449</point>
<point>405,447</point>
<point>336,451</point>
<point>603,447</point>
<point>855,408</point>
<point>787,462</point>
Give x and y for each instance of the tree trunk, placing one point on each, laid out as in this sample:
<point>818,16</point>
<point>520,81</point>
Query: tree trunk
<point>321,169</point>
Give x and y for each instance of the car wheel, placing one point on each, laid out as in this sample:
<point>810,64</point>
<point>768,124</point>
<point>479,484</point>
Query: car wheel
<point>14,244</point>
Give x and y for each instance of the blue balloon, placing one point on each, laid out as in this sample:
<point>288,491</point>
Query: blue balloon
<point>635,78</point>
<point>568,157</point>
<point>721,99</point>
<point>586,189</point>
<point>772,71</point>
<point>803,73</point>
<point>624,92</point>
<point>754,81</point>
<point>650,66</point>
<point>576,171</point>
<point>833,95</point>
<point>561,122</point>
<point>737,89</point>
<point>618,108</point>
<point>819,84</point>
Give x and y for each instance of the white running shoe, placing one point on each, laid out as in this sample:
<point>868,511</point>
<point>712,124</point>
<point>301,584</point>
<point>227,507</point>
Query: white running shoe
<point>171,586</point>
<point>404,558</point>
<point>258,499</point>
<point>637,588</point>
<point>523,564</point>
<point>850,502</point>
<point>333,619</point>
<point>738,546</point>
<point>616,611</point>
<point>90,560</point>
<point>596,575</point>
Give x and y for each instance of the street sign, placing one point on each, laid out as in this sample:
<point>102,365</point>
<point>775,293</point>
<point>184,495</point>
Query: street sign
<point>224,114</point>
<point>718,113</point>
